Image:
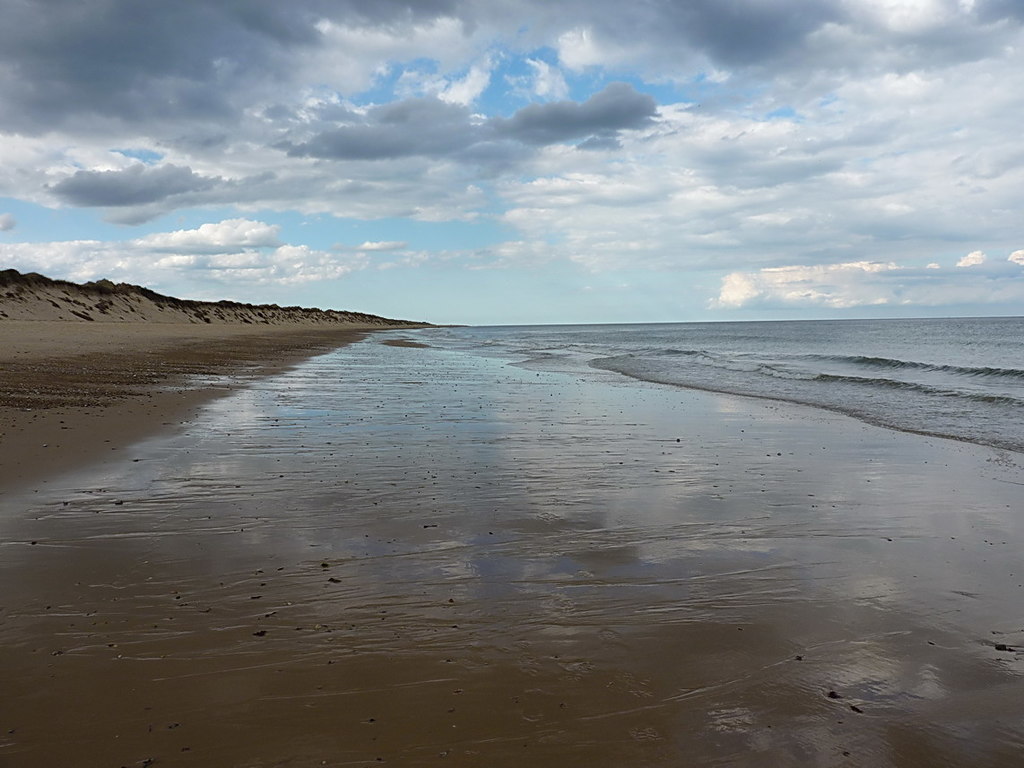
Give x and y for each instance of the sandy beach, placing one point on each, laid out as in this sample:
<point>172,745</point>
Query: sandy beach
<point>394,554</point>
<point>87,369</point>
<point>73,393</point>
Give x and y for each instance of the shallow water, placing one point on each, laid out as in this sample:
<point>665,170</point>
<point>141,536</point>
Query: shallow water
<point>955,377</point>
<point>421,556</point>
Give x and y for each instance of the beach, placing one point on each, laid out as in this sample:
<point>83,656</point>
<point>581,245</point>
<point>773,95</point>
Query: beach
<point>690,431</point>
<point>87,369</point>
<point>398,553</point>
<point>75,392</point>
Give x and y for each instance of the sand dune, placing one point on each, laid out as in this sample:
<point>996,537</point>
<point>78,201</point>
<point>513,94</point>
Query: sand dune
<point>35,297</point>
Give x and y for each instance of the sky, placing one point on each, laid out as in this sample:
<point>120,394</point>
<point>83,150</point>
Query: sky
<point>523,161</point>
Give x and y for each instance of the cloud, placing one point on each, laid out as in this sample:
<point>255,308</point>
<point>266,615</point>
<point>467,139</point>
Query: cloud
<point>95,63</point>
<point>867,283</point>
<point>808,40</point>
<point>430,127</point>
<point>618,107</point>
<point>972,259</point>
<point>548,82</point>
<point>455,88</point>
<point>468,89</point>
<point>854,177</point>
<point>834,285</point>
<point>423,126</point>
<point>1017,257</point>
<point>353,52</point>
<point>222,237</point>
<point>103,61</point>
<point>744,32</point>
<point>137,184</point>
<point>215,259</point>
<point>384,245</point>
<point>578,50</point>
<point>995,11</point>
<point>7,222</point>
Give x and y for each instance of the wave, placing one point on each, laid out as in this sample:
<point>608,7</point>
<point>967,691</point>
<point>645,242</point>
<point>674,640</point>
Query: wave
<point>865,361</point>
<point>742,363</point>
<point>888,363</point>
<point>632,366</point>
<point>917,387</point>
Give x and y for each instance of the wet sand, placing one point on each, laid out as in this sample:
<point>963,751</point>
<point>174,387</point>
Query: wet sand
<point>393,554</point>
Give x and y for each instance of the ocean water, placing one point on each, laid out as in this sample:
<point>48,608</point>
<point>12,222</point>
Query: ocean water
<point>961,378</point>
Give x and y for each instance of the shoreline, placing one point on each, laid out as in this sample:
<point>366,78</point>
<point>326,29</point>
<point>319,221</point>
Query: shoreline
<point>62,410</point>
<point>834,410</point>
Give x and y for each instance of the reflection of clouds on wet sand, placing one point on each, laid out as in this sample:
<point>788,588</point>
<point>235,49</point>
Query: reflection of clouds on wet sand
<point>611,574</point>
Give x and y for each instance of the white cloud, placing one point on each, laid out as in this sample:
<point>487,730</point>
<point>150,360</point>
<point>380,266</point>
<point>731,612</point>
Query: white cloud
<point>302,264</point>
<point>7,222</point>
<point>468,89</point>
<point>576,49</point>
<point>462,89</point>
<point>222,256</point>
<point>866,283</point>
<point>972,259</point>
<point>739,289</point>
<point>857,174</point>
<point>580,48</point>
<point>220,237</point>
<point>838,286</point>
<point>908,16</point>
<point>382,245</point>
<point>1017,257</point>
<point>548,82</point>
<point>352,58</point>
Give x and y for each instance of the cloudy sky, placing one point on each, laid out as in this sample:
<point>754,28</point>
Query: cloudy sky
<point>526,160</point>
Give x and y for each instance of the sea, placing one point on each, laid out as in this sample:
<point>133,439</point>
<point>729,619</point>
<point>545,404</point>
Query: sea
<point>959,378</point>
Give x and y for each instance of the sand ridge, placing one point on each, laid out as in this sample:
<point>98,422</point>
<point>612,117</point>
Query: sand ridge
<point>35,297</point>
